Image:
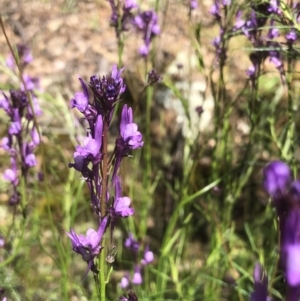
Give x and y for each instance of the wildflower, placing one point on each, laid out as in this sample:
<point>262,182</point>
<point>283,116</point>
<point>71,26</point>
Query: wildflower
<point>23,54</point>
<point>147,23</point>
<point>153,77</point>
<point>121,204</point>
<point>107,92</point>
<point>193,4</point>
<point>291,36</point>
<point>88,246</point>
<point>129,138</point>
<point>148,256</point>
<point>137,276</point>
<point>277,176</point>
<point>260,284</point>
<point>131,243</point>
<point>125,281</point>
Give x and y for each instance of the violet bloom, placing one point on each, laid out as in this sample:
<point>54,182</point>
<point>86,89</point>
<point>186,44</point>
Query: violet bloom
<point>137,276</point>
<point>147,23</point>
<point>130,138</point>
<point>131,243</point>
<point>89,245</point>
<point>260,284</point>
<point>24,55</point>
<point>121,204</point>
<point>107,92</point>
<point>91,146</point>
<point>125,281</point>
<point>215,10</point>
<point>81,99</point>
<point>291,36</point>
<point>148,256</point>
<point>277,176</point>
<point>193,4</point>
<point>274,7</point>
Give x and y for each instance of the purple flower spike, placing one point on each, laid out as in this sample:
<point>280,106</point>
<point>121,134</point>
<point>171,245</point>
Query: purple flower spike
<point>293,265</point>
<point>260,284</point>
<point>277,176</point>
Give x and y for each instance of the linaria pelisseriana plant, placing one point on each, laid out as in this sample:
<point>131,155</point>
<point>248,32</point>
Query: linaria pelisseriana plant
<point>22,135</point>
<point>97,103</point>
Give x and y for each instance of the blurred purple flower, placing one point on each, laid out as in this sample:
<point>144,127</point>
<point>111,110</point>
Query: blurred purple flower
<point>274,7</point>
<point>23,54</point>
<point>81,99</point>
<point>277,176</point>
<point>148,256</point>
<point>137,276</point>
<point>131,243</point>
<point>124,283</point>
<point>291,36</point>
<point>193,4</point>
<point>147,23</point>
<point>260,284</point>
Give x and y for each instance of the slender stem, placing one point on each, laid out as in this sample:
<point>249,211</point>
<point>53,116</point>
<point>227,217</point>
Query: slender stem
<point>104,167</point>
<point>102,276</point>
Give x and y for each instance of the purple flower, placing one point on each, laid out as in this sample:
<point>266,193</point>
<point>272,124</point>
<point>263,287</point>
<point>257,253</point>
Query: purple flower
<point>137,276</point>
<point>215,10</point>
<point>12,176</point>
<point>131,243</point>
<point>125,281</point>
<point>81,99</point>
<point>121,204</point>
<point>193,4</point>
<point>91,146</point>
<point>148,256</point>
<point>290,244</point>
<point>274,7</point>
<point>23,54</point>
<point>291,36</point>
<point>260,284</point>
<point>146,22</point>
<point>277,176</point>
<point>130,138</point>
<point>89,245</point>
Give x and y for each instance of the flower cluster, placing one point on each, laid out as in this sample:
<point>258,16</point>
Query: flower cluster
<point>145,22</point>
<point>97,103</point>
<point>221,18</point>
<point>22,135</point>
<point>260,292</point>
<point>148,256</point>
<point>266,46</point>
<point>285,194</point>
